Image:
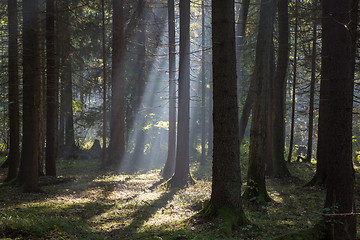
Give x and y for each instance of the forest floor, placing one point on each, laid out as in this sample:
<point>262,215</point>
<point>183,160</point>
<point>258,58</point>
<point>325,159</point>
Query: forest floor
<point>89,203</point>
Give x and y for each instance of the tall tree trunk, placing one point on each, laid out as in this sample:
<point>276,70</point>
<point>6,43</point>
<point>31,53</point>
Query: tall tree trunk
<point>203,85</point>
<point>182,175</point>
<point>335,118</point>
<point>278,100</point>
<point>51,91</point>
<point>68,96</point>
<point>321,161</point>
<point>269,127</point>
<point>294,82</point>
<point>170,162</point>
<point>117,121</point>
<point>312,86</point>
<point>66,130</point>
<point>28,172</point>
<point>104,128</point>
<point>226,180</point>
<point>241,29</point>
<point>14,121</point>
<point>259,89</point>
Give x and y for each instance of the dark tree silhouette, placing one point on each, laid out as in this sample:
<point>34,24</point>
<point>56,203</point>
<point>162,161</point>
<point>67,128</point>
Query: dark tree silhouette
<point>28,172</point>
<point>294,82</point>
<point>312,86</point>
<point>279,166</point>
<point>256,188</point>
<point>226,177</point>
<point>182,175</point>
<point>51,91</point>
<point>117,121</point>
<point>170,162</point>
<point>335,117</point>
<point>14,121</point>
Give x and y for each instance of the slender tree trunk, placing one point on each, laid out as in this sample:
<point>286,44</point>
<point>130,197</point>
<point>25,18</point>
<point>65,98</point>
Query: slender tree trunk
<point>51,91</point>
<point>170,162</point>
<point>28,172</point>
<point>335,119</point>
<point>226,181</point>
<point>66,131</point>
<point>256,188</point>
<point>269,127</point>
<point>68,96</point>
<point>312,87</point>
<point>182,175</point>
<point>241,29</point>
<point>117,121</point>
<point>203,85</point>
<point>294,83</point>
<point>280,169</point>
<point>14,121</point>
<point>104,128</point>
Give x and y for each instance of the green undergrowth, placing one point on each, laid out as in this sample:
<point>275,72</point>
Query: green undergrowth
<point>99,204</point>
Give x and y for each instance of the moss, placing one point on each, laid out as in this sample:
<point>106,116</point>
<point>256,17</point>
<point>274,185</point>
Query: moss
<point>253,195</point>
<point>315,233</point>
<point>228,217</point>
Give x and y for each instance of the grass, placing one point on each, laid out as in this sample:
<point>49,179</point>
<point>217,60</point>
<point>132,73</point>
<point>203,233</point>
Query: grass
<point>96,204</point>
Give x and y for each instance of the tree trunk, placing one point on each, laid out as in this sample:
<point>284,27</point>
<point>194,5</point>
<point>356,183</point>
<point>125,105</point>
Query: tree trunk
<point>203,85</point>
<point>170,162</point>
<point>335,119</point>
<point>117,121</point>
<point>51,91</point>
<point>66,131</point>
<point>280,169</point>
<point>182,175</point>
<point>104,123</point>
<point>256,188</point>
<point>312,87</point>
<point>294,83</point>
<point>241,29</point>
<point>226,180</point>
<point>28,172</point>
<point>14,121</point>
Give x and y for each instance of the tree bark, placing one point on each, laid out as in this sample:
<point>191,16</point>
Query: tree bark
<point>294,83</point>
<point>28,172</point>
<point>104,123</point>
<point>51,91</point>
<point>280,169</point>
<point>203,85</point>
<point>182,175</point>
<point>170,162</point>
<point>14,121</point>
<point>226,177</point>
<point>312,87</point>
<point>335,119</point>
<point>241,29</point>
<point>117,121</point>
<point>256,188</point>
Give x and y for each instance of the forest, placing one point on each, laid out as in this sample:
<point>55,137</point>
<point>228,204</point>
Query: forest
<point>179,119</point>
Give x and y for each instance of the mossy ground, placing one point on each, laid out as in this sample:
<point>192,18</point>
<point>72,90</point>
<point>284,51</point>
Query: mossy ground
<point>96,204</point>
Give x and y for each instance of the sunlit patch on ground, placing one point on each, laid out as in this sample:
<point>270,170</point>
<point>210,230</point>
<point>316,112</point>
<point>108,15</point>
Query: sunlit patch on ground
<point>107,205</point>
